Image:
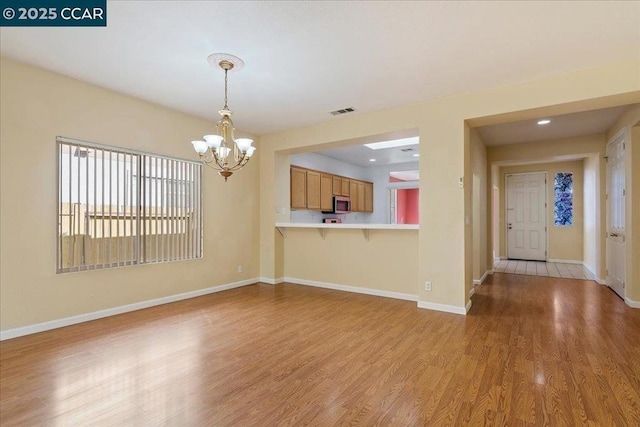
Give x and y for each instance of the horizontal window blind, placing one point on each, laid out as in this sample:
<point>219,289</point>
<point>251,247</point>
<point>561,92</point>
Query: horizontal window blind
<point>119,207</point>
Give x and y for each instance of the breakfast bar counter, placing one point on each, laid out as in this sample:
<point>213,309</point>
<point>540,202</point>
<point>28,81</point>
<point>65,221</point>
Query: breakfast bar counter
<point>321,227</point>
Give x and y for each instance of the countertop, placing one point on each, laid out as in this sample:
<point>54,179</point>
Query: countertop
<point>349,226</point>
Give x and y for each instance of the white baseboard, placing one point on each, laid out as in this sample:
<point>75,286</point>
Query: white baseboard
<point>473,289</point>
<point>632,303</point>
<point>86,317</point>
<point>445,307</point>
<point>592,271</point>
<point>482,279</point>
<point>566,261</point>
<point>271,281</point>
<point>355,289</point>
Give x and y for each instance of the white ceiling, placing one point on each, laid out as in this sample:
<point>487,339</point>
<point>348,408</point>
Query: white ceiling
<point>413,175</point>
<point>360,155</point>
<point>304,59</point>
<point>564,126</point>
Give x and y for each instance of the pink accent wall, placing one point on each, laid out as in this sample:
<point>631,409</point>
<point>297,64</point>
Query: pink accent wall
<point>412,206</point>
<point>401,207</point>
<point>407,208</point>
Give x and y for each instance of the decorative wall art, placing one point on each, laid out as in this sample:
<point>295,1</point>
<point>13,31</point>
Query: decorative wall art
<point>563,199</point>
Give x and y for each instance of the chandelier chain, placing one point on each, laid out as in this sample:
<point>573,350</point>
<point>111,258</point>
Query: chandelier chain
<point>226,107</point>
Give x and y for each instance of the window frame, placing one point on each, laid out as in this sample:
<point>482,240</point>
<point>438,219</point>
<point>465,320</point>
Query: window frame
<point>143,178</point>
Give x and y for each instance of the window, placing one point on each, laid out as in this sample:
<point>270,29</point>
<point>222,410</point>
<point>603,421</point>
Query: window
<point>120,207</point>
<point>563,199</point>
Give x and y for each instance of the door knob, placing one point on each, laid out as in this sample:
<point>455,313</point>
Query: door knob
<point>613,234</point>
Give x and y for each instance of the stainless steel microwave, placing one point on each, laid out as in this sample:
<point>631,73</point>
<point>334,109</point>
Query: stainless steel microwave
<point>341,205</point>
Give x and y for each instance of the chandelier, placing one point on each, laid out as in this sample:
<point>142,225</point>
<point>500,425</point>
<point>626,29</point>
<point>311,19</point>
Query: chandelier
<point>223,151</point>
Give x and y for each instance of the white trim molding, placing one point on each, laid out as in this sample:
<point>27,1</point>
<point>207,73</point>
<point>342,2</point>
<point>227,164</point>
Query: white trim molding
<point>445,307</point>
<point>592,271</point>
<point>354,289</point>
<point>632,303</point>
<point>566,261</point>
<point>270,281</point>
<point>86,317</point>
<point>483,278</point>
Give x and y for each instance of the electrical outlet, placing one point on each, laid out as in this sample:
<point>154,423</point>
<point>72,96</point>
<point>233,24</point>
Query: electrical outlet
<point>239,269</point>
<point>427,286</point>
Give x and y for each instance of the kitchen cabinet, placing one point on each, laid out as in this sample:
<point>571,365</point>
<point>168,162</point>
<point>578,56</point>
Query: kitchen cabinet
<point>313,190</point>
<point>298,188</point>
<point>368,197</point>
<point>360,187</point>
<point>353,194</point>
<point>337,185</point>
<point>326,192</point>
<point>345,187</point>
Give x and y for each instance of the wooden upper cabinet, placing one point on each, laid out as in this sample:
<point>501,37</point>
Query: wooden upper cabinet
<point>326,192</point>
<point>360,186</point>
<point>353,194</point>
<point>337,186</point>
<point>298,188</point>
<point>345,187</point>
<point>368,197</point>
<point>313,190</point>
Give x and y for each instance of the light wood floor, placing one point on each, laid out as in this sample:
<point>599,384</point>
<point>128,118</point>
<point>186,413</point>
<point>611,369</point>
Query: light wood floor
<point>532,351</point>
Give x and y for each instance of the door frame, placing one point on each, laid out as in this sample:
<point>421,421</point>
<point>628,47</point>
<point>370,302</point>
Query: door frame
<point>392,196</point>
<point>546,212</point>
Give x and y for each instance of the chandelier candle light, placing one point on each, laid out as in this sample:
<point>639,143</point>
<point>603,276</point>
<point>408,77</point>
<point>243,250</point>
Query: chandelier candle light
<point>220,147</point>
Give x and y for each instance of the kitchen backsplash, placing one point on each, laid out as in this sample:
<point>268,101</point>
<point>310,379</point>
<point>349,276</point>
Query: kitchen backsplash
<point>313,217</point>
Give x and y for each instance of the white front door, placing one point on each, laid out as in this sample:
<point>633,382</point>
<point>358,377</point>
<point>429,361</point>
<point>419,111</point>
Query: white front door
<point>526,216</point>
<point>615,216</point>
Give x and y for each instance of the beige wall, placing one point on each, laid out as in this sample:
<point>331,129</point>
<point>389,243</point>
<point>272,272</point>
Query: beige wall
<point>564,243</point>
<point>628,124</point>
<point>345,257</point>
<point>479,205</point>
<point>592,229</point>
<point>445,244</point>
<point>36,106</point>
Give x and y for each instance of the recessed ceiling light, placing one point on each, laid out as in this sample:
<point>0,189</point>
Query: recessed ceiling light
<point>393,143</point>
<point>372,160</point>
<point>416,155</point>
<point>544,122</point>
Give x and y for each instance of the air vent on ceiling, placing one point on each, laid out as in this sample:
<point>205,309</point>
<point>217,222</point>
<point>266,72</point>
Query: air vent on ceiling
<point>343,111</point>
<point>407,150</point>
